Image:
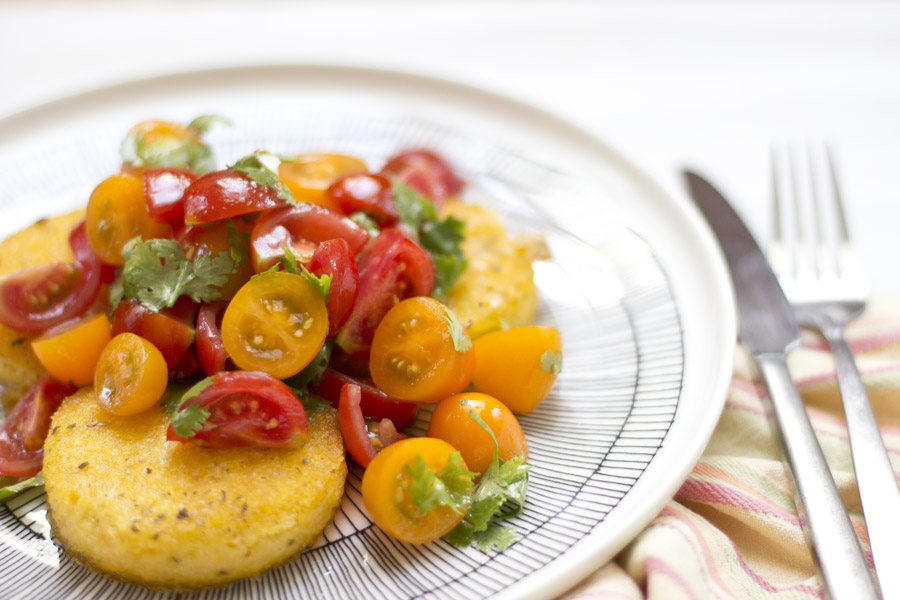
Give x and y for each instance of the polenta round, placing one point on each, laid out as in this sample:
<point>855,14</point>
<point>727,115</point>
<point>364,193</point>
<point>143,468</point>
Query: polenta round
<point>165,514</point>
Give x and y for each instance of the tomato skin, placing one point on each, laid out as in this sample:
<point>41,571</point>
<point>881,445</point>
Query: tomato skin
<point>387,499</point>
<point>391,267</point>
<point>85,255</point>
<point>131,375</point>
<point>311,173</point>
<point>353,426</point>
<point>452,423</point>
<point>164,192</point>
<point>374,403</point>
<point>276,323</point>
<point>413,353</point>
<point>116,213</point>
<point>508,365</point>
<point>367,192</point>
<point>301,228</point>
<point>210,347</point>
<point>335,258</point>
<point>228,193</point>
<point>425,172</point>
<point>70,353</point>
<point>259,400</point>
<point>35,299</point>
<point>212,239</point>
<point>171,336</point>
<point>27,425</point>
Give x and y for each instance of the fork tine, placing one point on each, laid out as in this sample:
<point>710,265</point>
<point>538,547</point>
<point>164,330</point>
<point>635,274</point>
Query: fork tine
<point>778,254</point>
<point>803,254</point>
<point>821,239</point>
<point>843,230</point>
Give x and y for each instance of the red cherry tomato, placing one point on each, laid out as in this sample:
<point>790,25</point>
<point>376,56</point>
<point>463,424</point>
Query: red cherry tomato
<point>335,258</point>
<point>223,194</point>
<point>187,366</point>
<point>425,172</point>
<point>374,403</point>
<point>367,192</point>
<point>171,336</point>
<point>25,429</point>
<point>212,239</point>
<point>392,267</point>
<point>164,192</point>
<point>210,347</point>
<point>353,426</point>
<point>248,408</point>
<point>85,255</point>
<point>300,228</point>
<point>36,299</point>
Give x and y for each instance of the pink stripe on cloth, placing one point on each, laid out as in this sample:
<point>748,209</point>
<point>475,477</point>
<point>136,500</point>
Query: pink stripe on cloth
<point>761,581</point>
<point>696,538</point>
<point>831,376</point>
<point>860,344</point>
<point>712,493</point>
<point>658,565</point>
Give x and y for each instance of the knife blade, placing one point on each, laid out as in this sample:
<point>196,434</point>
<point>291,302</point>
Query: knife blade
<point>768,329</point>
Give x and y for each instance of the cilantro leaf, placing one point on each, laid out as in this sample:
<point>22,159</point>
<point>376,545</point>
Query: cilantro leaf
<point>461,341</point>
<point>253,167</point>
<point>238,243</point>
<point>289,264</point>
<point>362,219</point>
<point>204,123</point>
<point>311,403</point>
<point>186,417</point>
<point>157,273</point>
<point>428,490</point>
<point>496,536</point>
<point>14,489</point>
<point>312,373</point>
<point>551,362</point>
<point>171,150</point>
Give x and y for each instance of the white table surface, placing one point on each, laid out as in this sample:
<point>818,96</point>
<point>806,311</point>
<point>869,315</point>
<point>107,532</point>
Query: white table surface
<point>707,84</point>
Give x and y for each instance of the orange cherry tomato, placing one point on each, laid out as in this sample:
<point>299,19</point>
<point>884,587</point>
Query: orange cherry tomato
<point>71,352</point>
<point>414,357</point>
<point>131,375</point>
<point>518,366</point>
<point>311,174</point>
<point>117,212</point>
<point>452,423</point>
<point>276,323</point>
<point>385,491</point>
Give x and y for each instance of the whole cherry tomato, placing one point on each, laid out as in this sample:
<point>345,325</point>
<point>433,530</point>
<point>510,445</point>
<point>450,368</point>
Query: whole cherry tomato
<point>425,172</point>
<point>247,408</point>
<point>391,267</point>
<point>170,335</point>
<point>25,429</point>
<point>452,423</point>
<point>164,192</point>
<point>335,258</point>
<point>374,403</point>
<point>223,194</point>
<point>70,352</point>
<point>365,192</point>
<point>131,375</point>
<point>417,355</point>
<point>310,174</point>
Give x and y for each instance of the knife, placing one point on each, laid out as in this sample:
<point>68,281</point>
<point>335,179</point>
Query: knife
<point>768,329</point>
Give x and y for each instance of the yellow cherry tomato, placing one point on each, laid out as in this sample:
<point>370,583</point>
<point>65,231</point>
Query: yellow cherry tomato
<point>71,353</point>
<point>310,175</point>
<point>117,212</point>
<point>131,375</point>
<point>518,366</point>
<point>414,356</point>
<point>452,423</point>
<point>277,323</point>
<point>385,491</point>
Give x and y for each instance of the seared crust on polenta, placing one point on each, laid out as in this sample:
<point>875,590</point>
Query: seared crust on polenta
<point>165,514</point>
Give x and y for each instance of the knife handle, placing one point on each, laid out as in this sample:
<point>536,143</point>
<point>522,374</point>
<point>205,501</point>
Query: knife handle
<point>822,513</point>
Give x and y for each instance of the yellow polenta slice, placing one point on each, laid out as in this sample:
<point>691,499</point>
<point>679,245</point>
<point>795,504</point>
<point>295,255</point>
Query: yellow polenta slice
<point>165,514</point>
<point>43,242</point>
<point>497,288</point>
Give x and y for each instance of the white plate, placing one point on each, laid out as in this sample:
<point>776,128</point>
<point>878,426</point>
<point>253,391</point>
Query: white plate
<point>637,287</point>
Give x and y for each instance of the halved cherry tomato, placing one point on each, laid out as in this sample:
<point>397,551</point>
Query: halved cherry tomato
<point>385,490</point>
<point>212,239</point>
<point>310,174</point>
<point>452,423</point>
<point>25,429</point>
<point>301,228</point>
<point>425,172</point>
<point>172,145</point>
<point>164,192</point>
<point>414,356</point>
<point>363,438</point>
<point>518,366</point>
<point>367,192</point>
<point>374,403</point>
<point>117,212</point>
<point>187,365</point>
<point>131,375</point>
<point>276,323</point>
<point>223,194</point>
<point>391,267</point>
<point>71,352</point>
<point>247,408</point>
<point>335,258</point>
<point>36,299</point>
<point>170,335</point>
<point>210,347</point>
<point>85,255</point>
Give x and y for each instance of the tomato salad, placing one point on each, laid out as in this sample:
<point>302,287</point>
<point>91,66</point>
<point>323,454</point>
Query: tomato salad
<point>238,300</point>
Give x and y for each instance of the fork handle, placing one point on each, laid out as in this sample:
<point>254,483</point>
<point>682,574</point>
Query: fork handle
<point>875,478</point>
<point>822,513</point>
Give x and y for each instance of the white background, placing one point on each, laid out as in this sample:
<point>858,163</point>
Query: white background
<point>712,85</point>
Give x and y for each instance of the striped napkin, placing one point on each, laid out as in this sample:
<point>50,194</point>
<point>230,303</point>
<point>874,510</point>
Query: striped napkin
<point>732,530</point>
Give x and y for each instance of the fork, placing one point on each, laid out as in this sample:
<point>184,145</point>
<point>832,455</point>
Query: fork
<point>821,276</point>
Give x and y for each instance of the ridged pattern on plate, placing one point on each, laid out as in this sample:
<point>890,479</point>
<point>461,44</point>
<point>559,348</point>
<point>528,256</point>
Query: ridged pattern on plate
<point>589,442</point>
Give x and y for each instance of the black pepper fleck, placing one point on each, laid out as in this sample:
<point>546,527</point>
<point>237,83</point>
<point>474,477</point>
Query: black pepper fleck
<point>70,426</point>
<point>182,514</point>
<point>244,509</point>
<point>156,536</point>
<point>18,342</point>
<point>149,470</point>
<point>83,465</point>
<point>53,431</point>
